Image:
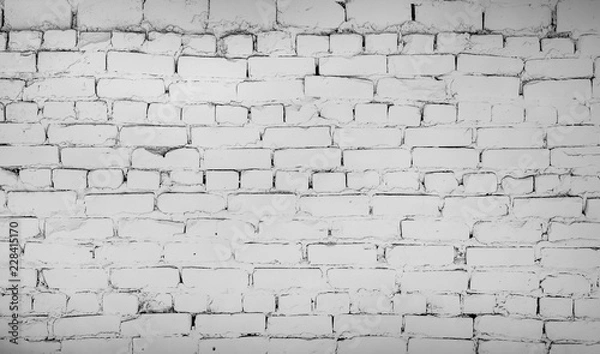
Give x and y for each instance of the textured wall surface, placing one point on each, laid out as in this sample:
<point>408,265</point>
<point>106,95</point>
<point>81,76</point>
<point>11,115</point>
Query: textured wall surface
<point>300,176</point>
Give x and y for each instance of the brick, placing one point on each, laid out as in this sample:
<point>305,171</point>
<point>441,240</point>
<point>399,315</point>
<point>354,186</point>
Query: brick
<point>367,137</point>
<point>423,89</point>
<point>577,16</point>
<point>60,89</point>
<point>101,135</point>
<point>445,158</point>
<point>240,159</point>
<point>297,137</point>
<point>308,158</point>
<point>420,65</point>
<point>559,68</point>
<point>546,91</point>
<point>22,134</point>
<point>548,207</point>
<point>203,91</point>
<point>236,324</point>
<point>434,281</point>
<point>274,43</point>
<point>342,254</point>
<point>271,91</point>
<point>114,204</point>
<point>456,327</point>
<point>189,202</point>
<point>109,15</point>
<point>261,205</point>
<point>378,15</point>
<point>492,257</point>
<point>153,136</point>
<point>194,67</point>
<point>83,63</point>
<point>439,346</point>
<point>573,348</point>
<point>346,44</point>
<point>224,136</point>
<point>86,326</point>
<point>576,331</point>
<point>434,137</point>
<point>310,13</point>
<point>574,157</point>
<point>262,68</point>
<point>288,278</point>
<point>494,281</point>
<point>143,89</point>
<point>565,285</point>
<point>383,345</point>
<point>142,278</point>
<point>342,205</point>
<point>59,39</point>
<point>305,326</point>
<point>338,88</point>
<point>517,18</point>
<point>36,14</point>
<point>12,63</point>
<point>575,231</point>
<point>399,205</point>
<point>376,159</point>
<point>510,138</point>
<point>76,279</point>
<point>383,43</point>
<point>489,65</point>
<point>265,253</point>
<point>138,63</point>
<point>188,16</point>
<point>42,203</point>
<point>420,255</point>
<point>493,88</point>
<point>11,89</point>
<point>417,44</point>
<point>572,136</point>
<point>456,16</point>
<point>312,45</point>
<point>380,325</point>
<point>429,230</point>
<point>161,324</point>
<point>362,65</point>
<point>95,157</point>
<point>516,160</point>
<point>503,327</point>
<point>576,258</point>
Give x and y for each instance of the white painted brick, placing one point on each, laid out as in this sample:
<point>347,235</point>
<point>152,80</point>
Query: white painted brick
<point>489,65</point>
<point>559,68</point>
<point>24,41</point>
<point>14,63</point>
<point>38,14</point>
<point>405,205</point>
<point>311,13</point>
<point>378,14</point>
<point>558,46</point>
<point>189,202</point>
<point>376,159</point>
<point>548,207</point>
<point>297,137</point>
<point>367,137</point>
<point>491,257</point>
<point>86,326</point>
<point>162,324</point>
<point>71,62</point>
<point>114,204</point>
<point>97,135</point>
<point>503,327</point>
<point>224,136</point>
<point>494,281</point>
<point>516,159</point>
<point>457,327</point>
<point>546,91</point>
<point>274,43</point>
<point>577,16</point>
<point>566,348</point>
<point>439,346</point>
<point>566,285</point>
<point>363,65</point>
<point>417,44</point>
<point>109,15</point>
<point>239,159</point>
<point>199,45</point>
<point>438,137</point>
<point>280,67</point>
<point>489,87</point>
<point>517,186</point>
<point>423,89</point>
<point>41,203</point>
<point>11,89</point>
<point>551,307</point>
<point>480,183</point>
<point>580,258</point>
<point>346,44</point>
<point>143,278</point>
<point>434,281</point>
<point>79,279</point>
<point>338,88</point>
<point>60,89</point>
<point>335,205</point>
<point>193,67</point>
<point>510,138</point>
<point>445,158</point>
<point>137,63</point>
<point>404,115</point>
<point>453,16</point>
<point>189,16</point>
<point>381,43</point>
<point>430,230</point>
<point>303,326</point>
<point>130,89</point>
<point>12,156</point>
<point>382,325</point>
<point>518,18</point>
<point>342,254</point>
<point>153,136</point>
<point>420,65</point>
<point>289,278</point>
<point>407,181</point>
<point>271,91</point>
<point>93,41</point>
<point>22,134</point>
<point>58,39</point>
<point>237,46</point>
<point>312,45</point>
<point>420,255</point>
<point>36,178</point>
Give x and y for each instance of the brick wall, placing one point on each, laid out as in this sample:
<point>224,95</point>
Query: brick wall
<point>301,176</point>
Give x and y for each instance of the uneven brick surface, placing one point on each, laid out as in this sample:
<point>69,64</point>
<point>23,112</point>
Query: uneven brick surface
<point>301,176</point>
